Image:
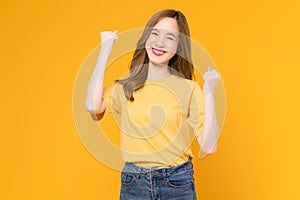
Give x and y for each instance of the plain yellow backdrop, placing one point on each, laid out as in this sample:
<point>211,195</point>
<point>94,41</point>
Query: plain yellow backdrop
<point>255,45</point>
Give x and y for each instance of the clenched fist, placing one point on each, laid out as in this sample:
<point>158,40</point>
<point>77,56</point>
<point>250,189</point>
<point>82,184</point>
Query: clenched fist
<point>211,78</point>
<point>108,38</point>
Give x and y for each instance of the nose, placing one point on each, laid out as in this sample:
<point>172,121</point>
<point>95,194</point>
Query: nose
<point>160,41</point>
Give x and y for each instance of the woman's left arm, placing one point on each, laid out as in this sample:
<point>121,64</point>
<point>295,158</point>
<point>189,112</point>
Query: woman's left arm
<point>210,133</point>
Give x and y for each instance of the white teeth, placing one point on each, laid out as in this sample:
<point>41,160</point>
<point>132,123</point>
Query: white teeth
<point>157,51</point>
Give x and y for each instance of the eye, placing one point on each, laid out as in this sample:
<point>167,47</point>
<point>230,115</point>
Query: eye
<point>154,33</point>
<point>170,38</point>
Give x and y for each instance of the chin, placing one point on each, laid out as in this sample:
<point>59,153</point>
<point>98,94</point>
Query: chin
<point>159,63</point>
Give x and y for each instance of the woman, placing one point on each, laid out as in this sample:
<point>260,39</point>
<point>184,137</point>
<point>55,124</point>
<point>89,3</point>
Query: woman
<point>161,110</point>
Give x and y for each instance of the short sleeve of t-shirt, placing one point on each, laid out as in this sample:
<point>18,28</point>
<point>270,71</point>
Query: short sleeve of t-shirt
<point>111,98</point>
<point>196,110</point>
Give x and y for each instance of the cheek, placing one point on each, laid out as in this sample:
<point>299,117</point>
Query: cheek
<point>147,44</point>
<point>148,52</point>
<point>172,47</point>
<point>149,41</point>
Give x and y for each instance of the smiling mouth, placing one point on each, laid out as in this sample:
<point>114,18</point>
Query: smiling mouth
<point>158,52</point>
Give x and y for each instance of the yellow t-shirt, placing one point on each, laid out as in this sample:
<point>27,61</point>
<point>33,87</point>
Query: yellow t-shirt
<point>159,126</point>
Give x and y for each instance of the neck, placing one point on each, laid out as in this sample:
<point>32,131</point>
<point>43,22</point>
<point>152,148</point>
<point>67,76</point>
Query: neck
<point>157,71</point>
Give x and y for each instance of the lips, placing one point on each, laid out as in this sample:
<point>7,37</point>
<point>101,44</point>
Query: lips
<point>158,52</point>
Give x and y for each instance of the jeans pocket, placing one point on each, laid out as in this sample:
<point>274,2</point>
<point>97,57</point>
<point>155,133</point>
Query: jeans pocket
<point>182,180</point>
<point>127,178</point>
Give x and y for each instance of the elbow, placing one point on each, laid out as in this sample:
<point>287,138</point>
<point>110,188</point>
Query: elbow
<point>209,149</point>
<point>205,147</point>
<point>96,114</point>
<point>209,144</point>
<point>91,108</point>
<point>204,152</point>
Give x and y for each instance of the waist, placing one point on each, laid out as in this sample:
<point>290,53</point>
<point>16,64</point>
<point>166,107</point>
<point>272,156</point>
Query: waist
<point>133,168</point>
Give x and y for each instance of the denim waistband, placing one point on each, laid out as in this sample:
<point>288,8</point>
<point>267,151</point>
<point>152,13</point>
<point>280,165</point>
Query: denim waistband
<point>132,168</point>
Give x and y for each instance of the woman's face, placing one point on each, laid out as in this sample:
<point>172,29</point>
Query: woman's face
<point>162,43</point>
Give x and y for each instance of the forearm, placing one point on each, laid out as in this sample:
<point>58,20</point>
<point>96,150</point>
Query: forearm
<point>95,87</point>
<point>210,132</point>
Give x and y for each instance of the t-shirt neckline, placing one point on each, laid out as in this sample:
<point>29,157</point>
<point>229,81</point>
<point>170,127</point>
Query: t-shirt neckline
<point>160,80</point>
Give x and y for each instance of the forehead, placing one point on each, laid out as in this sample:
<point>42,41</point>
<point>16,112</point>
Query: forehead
<point>167,24</point>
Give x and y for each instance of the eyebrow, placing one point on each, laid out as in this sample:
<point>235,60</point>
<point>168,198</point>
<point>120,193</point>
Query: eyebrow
<point>154,29</point>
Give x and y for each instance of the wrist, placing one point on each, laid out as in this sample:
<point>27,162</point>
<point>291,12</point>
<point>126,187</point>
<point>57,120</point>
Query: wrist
<point>209,98</point>
<point>207,92</point>
<point>105,51</point>
<point>106,47</point>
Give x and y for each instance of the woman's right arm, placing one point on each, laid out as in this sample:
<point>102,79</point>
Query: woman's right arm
<point>94,103</point>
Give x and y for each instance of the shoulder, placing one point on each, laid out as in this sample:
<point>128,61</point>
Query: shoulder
<point>113,88</point>
<point>192,84</point>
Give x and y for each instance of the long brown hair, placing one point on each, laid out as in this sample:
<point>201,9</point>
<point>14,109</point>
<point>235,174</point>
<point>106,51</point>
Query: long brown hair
<point>180,64</point>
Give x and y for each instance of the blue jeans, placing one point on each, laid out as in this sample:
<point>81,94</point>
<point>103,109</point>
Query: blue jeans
<point>174,183</point>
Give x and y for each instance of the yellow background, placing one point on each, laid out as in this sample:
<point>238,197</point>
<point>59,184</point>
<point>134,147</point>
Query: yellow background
<point>255,45</point>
